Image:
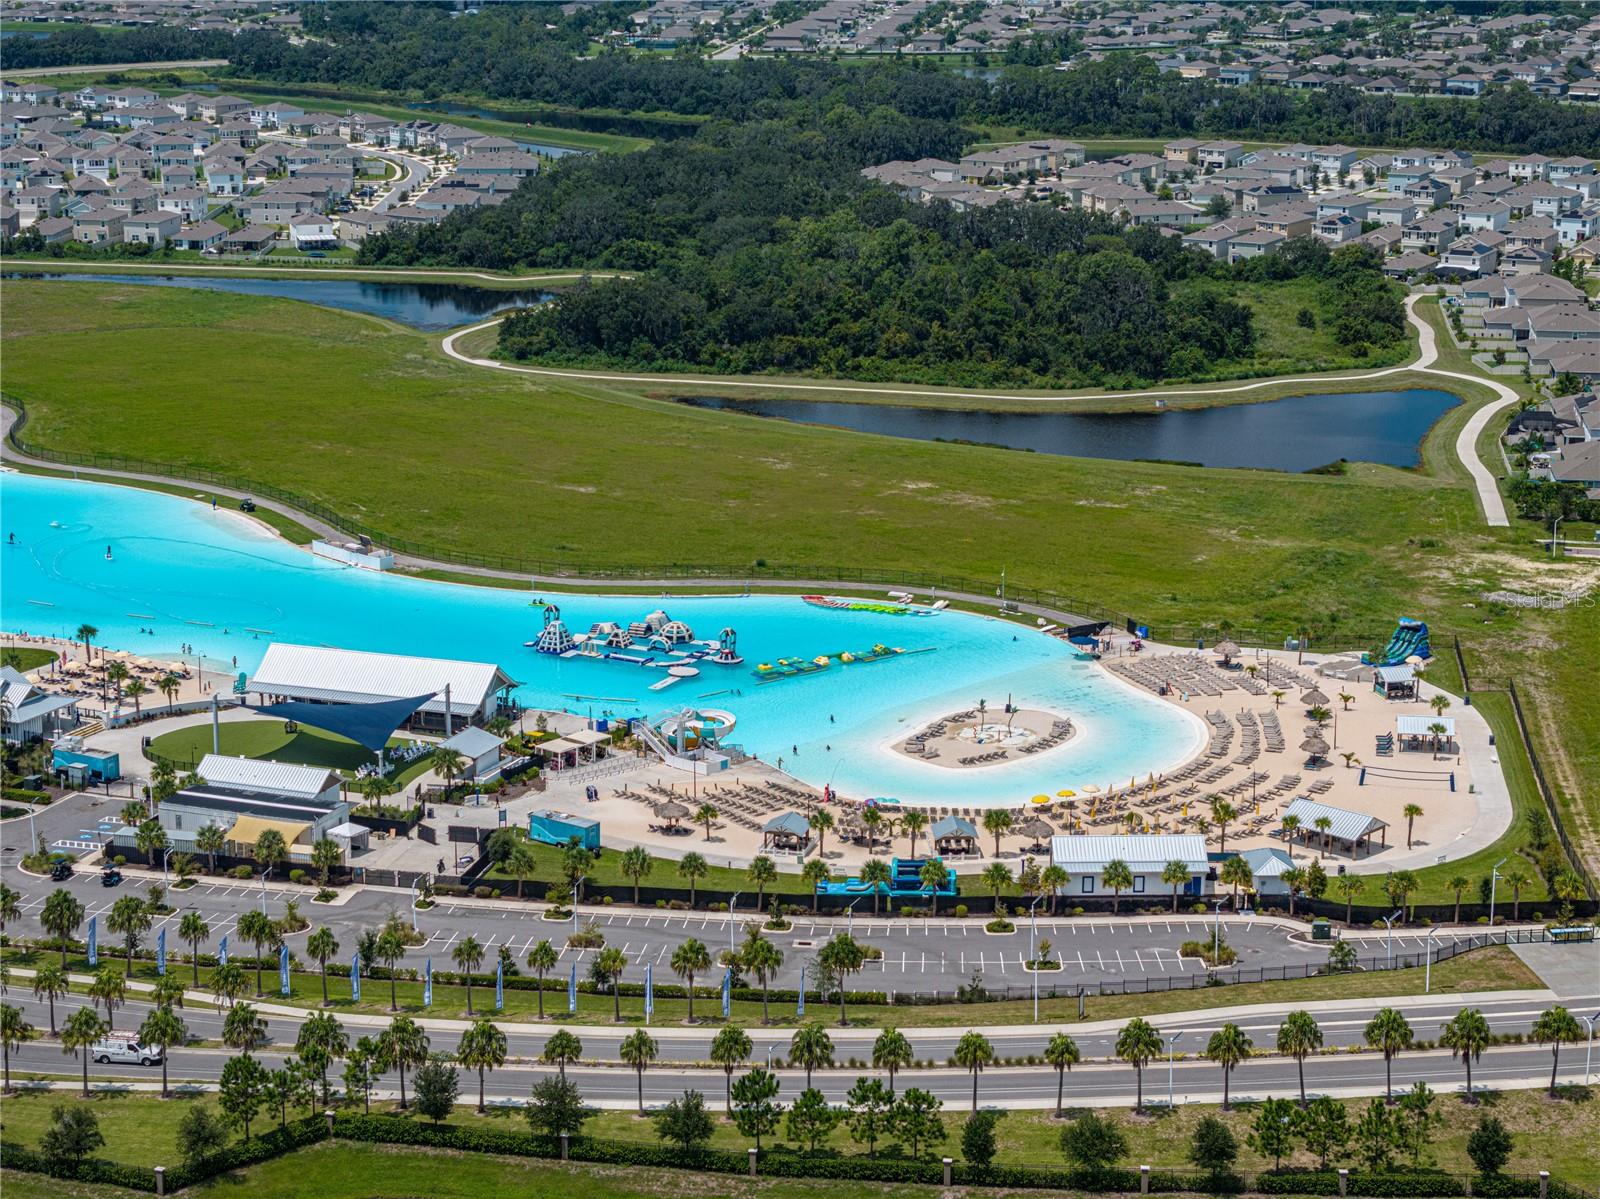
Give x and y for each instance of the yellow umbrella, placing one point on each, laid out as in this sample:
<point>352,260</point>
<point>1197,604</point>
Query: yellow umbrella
<point>1042,800</point>
<point>1065,794</point>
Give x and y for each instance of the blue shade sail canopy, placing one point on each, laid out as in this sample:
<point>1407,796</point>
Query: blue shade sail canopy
<point>370,725</point>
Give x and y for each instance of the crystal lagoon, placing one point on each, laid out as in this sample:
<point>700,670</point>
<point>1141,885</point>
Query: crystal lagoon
<point>228,586</point>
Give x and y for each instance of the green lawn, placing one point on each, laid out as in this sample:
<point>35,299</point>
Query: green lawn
<point>29,657</point>
<point>1492,969</point>
<point>268,739</point>
<point>142,1130</point>
<point>1261,550</point>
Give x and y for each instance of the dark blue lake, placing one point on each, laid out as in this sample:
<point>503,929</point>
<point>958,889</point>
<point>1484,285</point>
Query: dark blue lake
<point>429,306</point>
<point>1297,433</point>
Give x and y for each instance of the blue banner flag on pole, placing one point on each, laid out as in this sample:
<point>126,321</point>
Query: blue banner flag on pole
<point>500,984</point>
<point>161,952</point>
<point>649,992</point>
<point>355,977</point>
<point>283,970</point>
<point>572,989</point>
<point>222,951</point>
<point>800,1009</point>
<point>727,990</point>
<point>94,941</point>
<point>427,983</point>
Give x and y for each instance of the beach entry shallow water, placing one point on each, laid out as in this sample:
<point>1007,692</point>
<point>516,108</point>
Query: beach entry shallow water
<point>229,587</point>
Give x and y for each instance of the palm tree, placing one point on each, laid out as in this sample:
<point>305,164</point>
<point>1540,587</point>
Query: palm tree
<point>323,945</point>
<point>1349,886</point>
<point>1323,825</point>
<point>821,821</point>
<point>61,916</point>
<point>78,1035</point>
<point>707,815</point>
<point>811,1048</point>
<point>1052,879</point>
<point>133,813</point>
<point>761,958</point>
<point>691,957</point>
<point>1222,812</point>
<point>912,822</point>
<point>1411,811</point>
<point>730,1050</point>
<point>997,822</point>
<point>1228,1046</point>
<point>1299,1036</point>
<point>1439,729</point>
<point>482,1047</point>
<point>1291,825</point>
<point>1516,878</point>
<point>692,867</point>
<point>211,840</point>
<point>130,917</point>
<point>813,874</point>
<point>193,931</point>
<point>973,1053</point>
<point>1295,879</point>
<point>1555,1026</point>
<point>1346,700</point>
<point>256,928</point>
<point>1175,874</point>
<point>763,873</point>
<point>115,673</point>
<point>1458,883</point>
<point>872,820</point>
<point>50,983</point>
<point>162,1027</point>
<point>87,633</point>
<point>400,1045</point>
<point>270,849</point>
<point>135,690</point>
<point>542,959</point>
<point>1440,704</point>
<point>1137,1044</point>
<point>562,1047</point>
<point>14,1032</point>
<point>391,947</point>
<point>1062,1052</point>
<point>638,1050</point>
<point>1119,878</point>
<point>110,988</point>
<point>1466,1036</point>
<point>449,763</point>
<point>169,686</point>
<point>468,956</point>
<point>635,863</point>
<point>842,957</point>
<point>934,876</point>
<point>996,876</point>
<point>243,1030</point>
<point>891,1053</point>
<point>1389,1032</point>
<point>1235,872</point>
<point>608,966</point>
<point>875,873</point>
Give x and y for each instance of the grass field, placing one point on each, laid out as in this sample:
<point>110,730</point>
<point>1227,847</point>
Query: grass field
<point>1263,551</point>
<point>267,739</point>
<point>1492,969</point>
<point>1556,1135</point>
<point>29,657</point>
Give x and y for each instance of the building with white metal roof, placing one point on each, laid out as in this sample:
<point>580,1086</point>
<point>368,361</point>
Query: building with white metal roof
<point>319,674</point>
<point>1146,855</point>
<point>1351,828</point>
<point>479,748</point>
<point>289,780</point>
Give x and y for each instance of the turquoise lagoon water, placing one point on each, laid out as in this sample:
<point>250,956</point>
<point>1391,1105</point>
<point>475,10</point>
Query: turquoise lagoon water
<point>227,586</point>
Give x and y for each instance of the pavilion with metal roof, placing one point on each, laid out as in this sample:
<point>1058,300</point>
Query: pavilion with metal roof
<point>1352,829</point>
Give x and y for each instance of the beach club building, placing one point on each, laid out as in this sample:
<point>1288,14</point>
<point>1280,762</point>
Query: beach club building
<point>447,695</point>
<point>247,796</point>
<point>1146,855</point>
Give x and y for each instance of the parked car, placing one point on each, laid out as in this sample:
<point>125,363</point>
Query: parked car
<point>110,876</point>
<point>61,870</point>
<point>125,1050</point>
<point>247,505</point>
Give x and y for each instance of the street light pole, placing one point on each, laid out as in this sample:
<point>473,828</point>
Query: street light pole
<point>165,857</point>
<point>731,922</point>
<point>1588,1052</point>
<point>1216,937</point>
<point>413,905</point>
<point>1427,973</point>
<point>1388,922</point>
<point>1171,1041</point>
<point>1494,882</point>
<point>850,916</point>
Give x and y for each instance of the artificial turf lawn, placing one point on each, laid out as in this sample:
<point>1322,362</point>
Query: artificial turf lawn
<point>563,473</point>
<point>267,739</point>
<point>1557,1135</point>
<point>29,657</point>
<point>1494,968</point>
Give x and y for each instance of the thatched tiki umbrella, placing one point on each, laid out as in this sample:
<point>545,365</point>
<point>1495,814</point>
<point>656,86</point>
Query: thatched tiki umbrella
<point>672,811</point>
<point>1038,829</point>
<point>1228,649</point>
<point>1316,748</point>
<point>1314,699</point>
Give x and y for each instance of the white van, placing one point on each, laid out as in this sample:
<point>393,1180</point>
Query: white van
<point>126,1050</point>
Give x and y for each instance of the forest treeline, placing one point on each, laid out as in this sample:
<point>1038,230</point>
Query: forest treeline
<point>87,45</point>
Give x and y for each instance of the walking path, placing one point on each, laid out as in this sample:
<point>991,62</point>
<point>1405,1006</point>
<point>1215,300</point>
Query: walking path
<point>102,67</point>
<point>1428,353</point>
<point>400,274</point>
